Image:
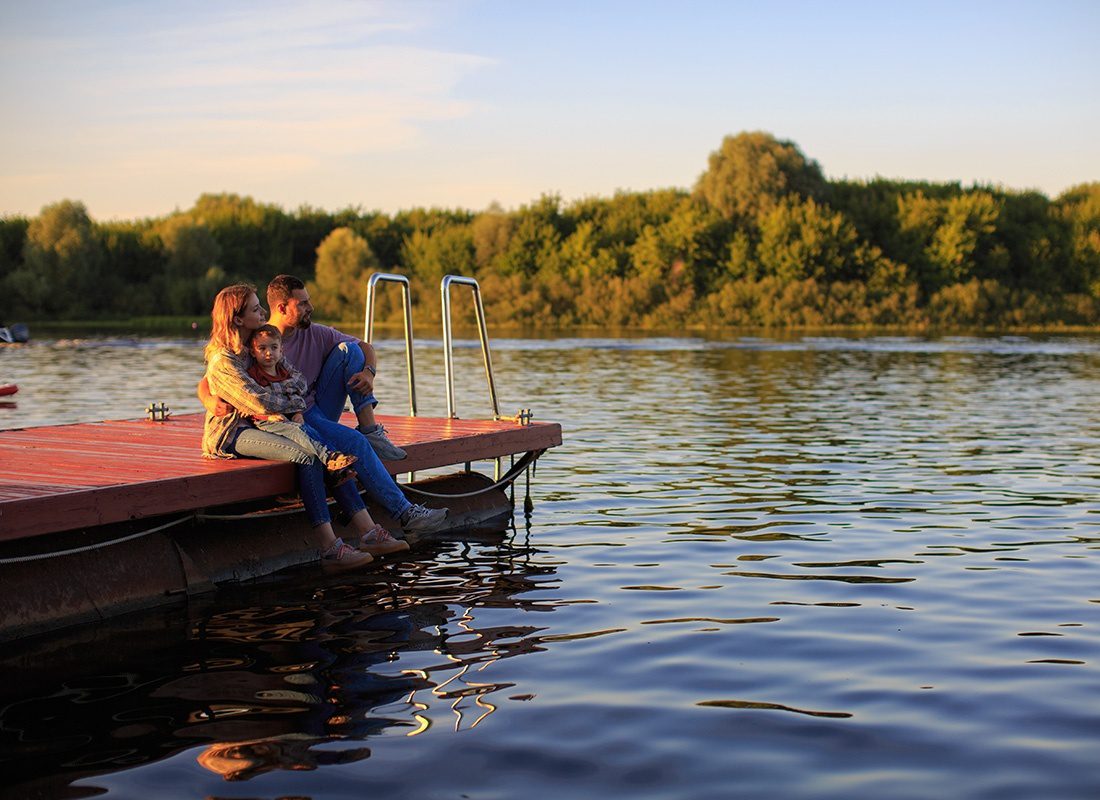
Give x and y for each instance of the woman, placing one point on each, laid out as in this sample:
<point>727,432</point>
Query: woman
<point>236,313</point>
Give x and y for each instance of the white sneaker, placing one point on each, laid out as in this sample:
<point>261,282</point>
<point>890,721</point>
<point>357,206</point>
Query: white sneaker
<point>420,519</point>
<point>386,450</point>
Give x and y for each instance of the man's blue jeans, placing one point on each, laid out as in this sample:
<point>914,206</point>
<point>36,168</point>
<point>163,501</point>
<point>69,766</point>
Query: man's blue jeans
<point>324,417</point>
<point>254,443</point>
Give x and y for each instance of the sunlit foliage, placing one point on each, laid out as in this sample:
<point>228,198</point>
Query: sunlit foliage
<point>762,240</point>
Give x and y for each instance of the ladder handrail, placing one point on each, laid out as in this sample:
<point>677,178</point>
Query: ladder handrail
<point>368,325</point>
<point>448,366</point>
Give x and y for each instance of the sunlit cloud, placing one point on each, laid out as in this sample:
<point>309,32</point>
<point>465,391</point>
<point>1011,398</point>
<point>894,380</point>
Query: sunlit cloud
<point>238,95</point>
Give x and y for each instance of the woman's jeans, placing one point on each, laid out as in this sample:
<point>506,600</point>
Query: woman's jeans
<point>324,417</point>
<point>253,443</point>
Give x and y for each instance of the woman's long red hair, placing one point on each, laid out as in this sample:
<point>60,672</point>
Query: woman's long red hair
<point>225,334</point>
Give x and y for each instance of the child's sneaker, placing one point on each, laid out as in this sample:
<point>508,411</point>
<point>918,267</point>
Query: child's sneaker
<point>340,461</point>
<point>380,542</point>
<point>340,557</point>
<point>341,469</point>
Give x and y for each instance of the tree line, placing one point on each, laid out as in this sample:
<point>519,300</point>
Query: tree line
<point>762,239</point>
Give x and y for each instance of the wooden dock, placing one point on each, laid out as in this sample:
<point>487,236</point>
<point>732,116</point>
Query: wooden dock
<point>97,519</point>
<point>66,477</point>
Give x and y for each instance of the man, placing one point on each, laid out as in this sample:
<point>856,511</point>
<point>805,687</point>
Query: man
<point>338,367</point>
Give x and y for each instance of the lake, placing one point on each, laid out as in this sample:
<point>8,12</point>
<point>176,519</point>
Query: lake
<point>796,567</point>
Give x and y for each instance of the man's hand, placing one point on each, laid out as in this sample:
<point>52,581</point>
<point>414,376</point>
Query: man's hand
<point>298,418</point>
<point>362,382</point>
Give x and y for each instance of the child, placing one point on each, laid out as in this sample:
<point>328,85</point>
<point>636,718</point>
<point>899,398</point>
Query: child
<point>276,375</point>
<point>270,370</point>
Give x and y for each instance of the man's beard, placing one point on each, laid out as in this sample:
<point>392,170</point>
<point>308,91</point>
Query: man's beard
<point>303,323</point>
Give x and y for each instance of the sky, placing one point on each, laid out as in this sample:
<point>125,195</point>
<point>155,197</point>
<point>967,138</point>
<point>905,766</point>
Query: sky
<point>137,107</point>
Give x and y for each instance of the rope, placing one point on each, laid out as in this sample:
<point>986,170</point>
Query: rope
<point>96,546</point>
<point>505,479</point>
<point>508,477</point>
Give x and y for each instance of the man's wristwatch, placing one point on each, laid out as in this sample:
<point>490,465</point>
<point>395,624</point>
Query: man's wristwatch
<point>371,370</point>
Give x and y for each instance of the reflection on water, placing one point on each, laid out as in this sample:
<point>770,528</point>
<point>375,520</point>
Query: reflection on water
<point>288,675</point>
<point>802,567</point>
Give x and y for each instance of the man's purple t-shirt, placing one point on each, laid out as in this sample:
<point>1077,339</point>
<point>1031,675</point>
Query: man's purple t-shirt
<point>307,350</point>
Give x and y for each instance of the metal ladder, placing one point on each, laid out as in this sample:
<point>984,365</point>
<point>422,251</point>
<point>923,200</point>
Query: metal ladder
<point>368,325</point>
<point>448,340</point>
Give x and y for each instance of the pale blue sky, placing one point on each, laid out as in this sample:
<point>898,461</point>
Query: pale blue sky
<point>136,108</point>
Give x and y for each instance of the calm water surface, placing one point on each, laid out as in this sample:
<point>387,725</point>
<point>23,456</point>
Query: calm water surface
<point>805,568</point>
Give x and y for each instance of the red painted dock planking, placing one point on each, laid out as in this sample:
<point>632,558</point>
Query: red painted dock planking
<point>66,477</point>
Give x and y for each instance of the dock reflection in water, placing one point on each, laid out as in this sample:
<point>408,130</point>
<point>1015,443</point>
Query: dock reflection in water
<point>287,676</point>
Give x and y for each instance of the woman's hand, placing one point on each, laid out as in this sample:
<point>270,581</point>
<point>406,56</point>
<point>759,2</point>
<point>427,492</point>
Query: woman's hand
<point>211,402</point>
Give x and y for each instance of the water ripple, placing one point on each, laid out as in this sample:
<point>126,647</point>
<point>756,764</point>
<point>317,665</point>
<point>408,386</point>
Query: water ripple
<point>890,541</point>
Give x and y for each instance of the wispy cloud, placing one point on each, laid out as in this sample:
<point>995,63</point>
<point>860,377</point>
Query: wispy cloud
<point>234,93</point>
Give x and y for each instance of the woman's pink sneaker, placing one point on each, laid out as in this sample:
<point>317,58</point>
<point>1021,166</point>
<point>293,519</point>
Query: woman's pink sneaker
<point>340,557</point>
<point>380,542</point>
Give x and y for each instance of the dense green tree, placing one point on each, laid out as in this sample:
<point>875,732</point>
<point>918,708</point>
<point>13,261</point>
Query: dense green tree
<point>344,264</point>
<point>535,238</point>
<point>13,234</point>
<point>192,266</point>
<point>133,268</point>
<point>62,261</point>
<point>490,232</point>
<point>445,251</point>
<point>963,235</point>
<point>763,239</point>
<point>254,238</point>
<point>751,172</point>
<point>1079,209</point>
<point>946,237</point>
<point>801,239</point>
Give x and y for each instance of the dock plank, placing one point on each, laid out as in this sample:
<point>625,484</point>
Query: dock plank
<point>72,476</point>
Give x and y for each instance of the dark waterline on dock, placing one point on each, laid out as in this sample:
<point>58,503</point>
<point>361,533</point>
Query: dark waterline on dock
<point>808,567</point>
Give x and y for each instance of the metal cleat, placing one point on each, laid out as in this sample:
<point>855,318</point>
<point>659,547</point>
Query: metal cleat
<point>522,418</point>
<point>158,412</point>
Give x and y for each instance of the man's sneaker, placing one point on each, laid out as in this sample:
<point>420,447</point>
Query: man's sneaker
<point>386,450</point>
<point>340,557</point>
<point>420,519</point>
<point>380,542</point>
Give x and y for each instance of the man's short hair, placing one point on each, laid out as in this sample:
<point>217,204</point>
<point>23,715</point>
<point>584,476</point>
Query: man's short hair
<point>281,289</point>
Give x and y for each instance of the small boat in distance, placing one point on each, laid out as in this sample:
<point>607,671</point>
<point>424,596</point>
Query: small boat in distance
<point>14,334</point>
<point>8,388</point>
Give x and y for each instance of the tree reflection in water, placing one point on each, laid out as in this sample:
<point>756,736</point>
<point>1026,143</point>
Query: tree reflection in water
<point>258,675</point>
